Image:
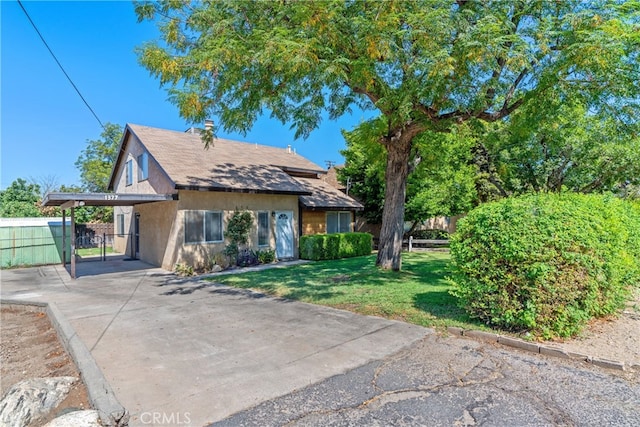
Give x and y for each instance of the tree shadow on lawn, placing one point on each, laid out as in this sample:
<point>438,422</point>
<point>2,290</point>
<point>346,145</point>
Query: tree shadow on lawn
<point>357,282</point>
<point>293,288</point>
<point>443,305</point>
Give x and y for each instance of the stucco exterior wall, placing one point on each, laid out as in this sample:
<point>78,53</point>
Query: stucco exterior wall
<point>157,183</point>
<point>200,254</point>
<point>156,222</point>
<point>121,241</point>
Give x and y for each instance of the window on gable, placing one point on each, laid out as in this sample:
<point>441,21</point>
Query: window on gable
<point>129,171</point>
<point>263,229</point>
<point>143,166</point>
<point>202,227</point>
<point>338,222</point>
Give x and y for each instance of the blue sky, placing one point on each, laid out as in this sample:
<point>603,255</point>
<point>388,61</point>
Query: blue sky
<point>44,125</point>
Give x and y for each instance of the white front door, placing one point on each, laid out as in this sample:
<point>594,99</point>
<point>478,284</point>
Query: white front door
<point>284,234</point>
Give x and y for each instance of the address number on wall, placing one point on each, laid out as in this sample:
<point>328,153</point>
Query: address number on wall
<point>111,197</point>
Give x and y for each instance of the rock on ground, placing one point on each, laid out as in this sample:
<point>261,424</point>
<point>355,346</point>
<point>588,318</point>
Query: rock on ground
<point>32,399</point>
<point>88,418</point>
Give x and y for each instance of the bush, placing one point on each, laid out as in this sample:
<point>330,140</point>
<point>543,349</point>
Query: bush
<point>334,246</point>
<point>184,270</point>
<point>546,263</point>
<point>266,256</point>
<point>247,258</point>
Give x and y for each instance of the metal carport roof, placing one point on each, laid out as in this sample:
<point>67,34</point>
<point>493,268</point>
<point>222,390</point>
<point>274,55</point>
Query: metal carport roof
<point>68,200</point>
<point>75,200</point>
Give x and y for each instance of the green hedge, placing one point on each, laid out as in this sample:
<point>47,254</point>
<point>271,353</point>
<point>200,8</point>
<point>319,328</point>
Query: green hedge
<point>546,263</point>
<point>334,246</point>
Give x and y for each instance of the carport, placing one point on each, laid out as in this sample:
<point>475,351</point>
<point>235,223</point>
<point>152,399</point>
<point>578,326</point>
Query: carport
<point>74,200</point>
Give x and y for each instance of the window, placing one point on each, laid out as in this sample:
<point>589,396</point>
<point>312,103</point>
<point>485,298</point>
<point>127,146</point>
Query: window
<point>143,166</point>
<point>202,227</point>
<point>120,224</point>
<point>338,222</point>
<point>263,229</point>
<point>129,171</point>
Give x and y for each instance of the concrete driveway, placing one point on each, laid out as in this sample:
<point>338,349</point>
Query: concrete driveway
<point>193,353</point>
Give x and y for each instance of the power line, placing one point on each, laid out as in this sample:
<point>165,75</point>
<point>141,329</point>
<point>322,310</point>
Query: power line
<point>60,65</point>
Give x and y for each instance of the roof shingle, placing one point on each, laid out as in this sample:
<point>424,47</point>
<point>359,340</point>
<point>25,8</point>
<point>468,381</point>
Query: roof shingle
<point>226,166</point>
<point>324,196</point>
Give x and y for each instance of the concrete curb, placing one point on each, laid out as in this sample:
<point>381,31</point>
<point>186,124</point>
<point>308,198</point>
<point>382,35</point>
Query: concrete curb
<point>540,349</point>
<point>111,412</point>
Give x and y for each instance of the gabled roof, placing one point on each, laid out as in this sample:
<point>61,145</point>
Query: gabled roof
<point>324,196</point>
<point>331,177</point>
<point>226,166</point>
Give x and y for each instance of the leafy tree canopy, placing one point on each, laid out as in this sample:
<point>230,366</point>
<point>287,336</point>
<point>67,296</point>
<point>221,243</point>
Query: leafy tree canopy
<point>96,160</point>
<point>20,200</point>
<point>570,149</point>
<point>424,65</point>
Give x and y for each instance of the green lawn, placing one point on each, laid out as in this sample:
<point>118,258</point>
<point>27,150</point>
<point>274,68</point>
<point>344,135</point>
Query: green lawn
<point>93,251</point>
<point>418,294</point>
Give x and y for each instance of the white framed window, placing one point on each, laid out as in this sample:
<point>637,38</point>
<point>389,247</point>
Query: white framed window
<point>120,224</point>
<point>129,171</point>
<point>203,227</point>
<point>263,229</point>
<point>338,222</point>
<point>143,166</point>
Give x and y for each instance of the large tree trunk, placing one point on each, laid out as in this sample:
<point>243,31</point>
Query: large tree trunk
<point>390,247</point>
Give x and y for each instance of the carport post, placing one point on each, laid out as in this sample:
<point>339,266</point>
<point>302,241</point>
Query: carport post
<point>73,243</point>
<point>132,245</point>
<point>64,239</point>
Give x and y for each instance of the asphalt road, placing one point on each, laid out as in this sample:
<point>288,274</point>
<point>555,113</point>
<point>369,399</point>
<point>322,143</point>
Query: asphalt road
<point>459,382</point>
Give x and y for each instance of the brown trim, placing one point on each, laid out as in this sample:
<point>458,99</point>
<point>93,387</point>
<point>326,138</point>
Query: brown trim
<point>121,150</point>
<point>240,190</point>
<point>311,172</point>
<point>331,208</point>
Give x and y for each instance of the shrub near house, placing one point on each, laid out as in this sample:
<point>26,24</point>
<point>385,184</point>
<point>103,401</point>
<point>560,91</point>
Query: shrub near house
<point>547,263</point>
<point>334,246</point>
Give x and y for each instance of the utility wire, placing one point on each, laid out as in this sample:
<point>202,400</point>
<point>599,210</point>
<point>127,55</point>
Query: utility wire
<point>60,65</point>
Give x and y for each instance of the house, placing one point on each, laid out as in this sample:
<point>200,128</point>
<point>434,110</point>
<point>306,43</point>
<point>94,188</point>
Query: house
<point>282,190</point>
